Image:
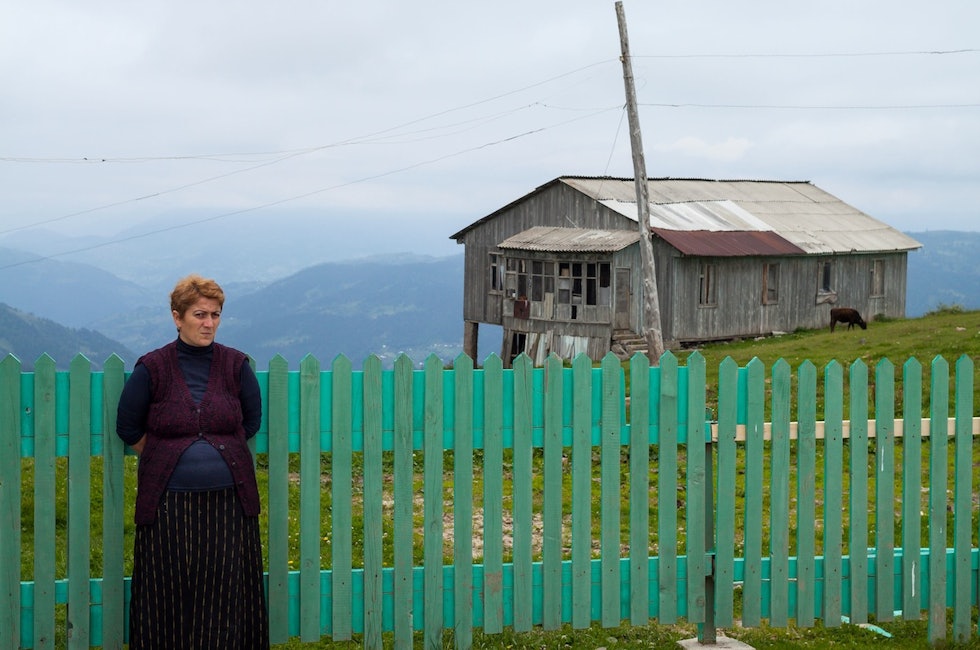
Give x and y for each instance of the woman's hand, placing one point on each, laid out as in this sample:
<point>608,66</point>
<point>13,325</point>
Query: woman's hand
<point>138,445</point>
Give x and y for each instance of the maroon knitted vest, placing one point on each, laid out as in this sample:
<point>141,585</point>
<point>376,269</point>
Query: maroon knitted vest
<point>175,421</point>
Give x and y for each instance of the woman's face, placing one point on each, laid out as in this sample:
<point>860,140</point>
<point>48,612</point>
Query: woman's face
<point>197,325</point>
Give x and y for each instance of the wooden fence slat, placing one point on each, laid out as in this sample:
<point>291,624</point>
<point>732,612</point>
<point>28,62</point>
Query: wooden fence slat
<point>433,507</point>
<point>912,588</point>
<point>113,489</point>
<point>341,481</point>
<point>833,499</point>
<point>695,545</point>
<point>639,490</point>
<point>551,547</point>
<point>404,542</point>
<point>493,464</point>
<point>463,504</point>
<point>806,490</point>
<point>374,533</point>
<point>755,414</point>
<point>779,496</point>
<point>278,509</point>
<point>725,521</point>
<point>609,489</point>
<point>963,499</point>
<point>885,491</point>
<point>938,477</point>
<point>45,513</point>
<point>667,489</point>
<point>582,494</point>
<point>858,493</point>
<point>522,493</point>
<point>309,507</point>
<point>79,503</point>
<point>10,498</point>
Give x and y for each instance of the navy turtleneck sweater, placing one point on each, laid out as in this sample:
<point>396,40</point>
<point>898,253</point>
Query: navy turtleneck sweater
<point>200,467</point>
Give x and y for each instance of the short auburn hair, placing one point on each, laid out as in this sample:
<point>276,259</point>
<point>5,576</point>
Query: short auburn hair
<point>192,288</point>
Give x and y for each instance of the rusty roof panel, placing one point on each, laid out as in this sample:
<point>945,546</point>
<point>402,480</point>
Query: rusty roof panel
<point>553,239</point>
<point>707,243</point>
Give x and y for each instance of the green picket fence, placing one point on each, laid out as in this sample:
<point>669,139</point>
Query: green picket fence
<point>442,501</point>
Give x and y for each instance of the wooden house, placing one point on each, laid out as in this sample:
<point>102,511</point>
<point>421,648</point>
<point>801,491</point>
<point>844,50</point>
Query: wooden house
<point>560,268</point>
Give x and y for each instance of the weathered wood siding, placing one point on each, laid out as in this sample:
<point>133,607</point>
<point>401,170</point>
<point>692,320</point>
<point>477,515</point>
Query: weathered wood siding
<point>740,310</point>
<point>556,205</point>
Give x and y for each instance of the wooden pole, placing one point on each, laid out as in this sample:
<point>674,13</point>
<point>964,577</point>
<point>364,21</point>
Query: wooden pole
<point>651,299</point>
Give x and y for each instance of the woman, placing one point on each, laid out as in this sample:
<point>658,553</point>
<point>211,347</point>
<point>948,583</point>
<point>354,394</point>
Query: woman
<point>188,409</point>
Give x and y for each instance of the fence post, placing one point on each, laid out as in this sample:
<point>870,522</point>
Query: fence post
<point>707,633</point>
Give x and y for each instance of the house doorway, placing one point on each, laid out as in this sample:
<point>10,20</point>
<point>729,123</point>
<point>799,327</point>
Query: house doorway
<point>518,342</point>
<point>621,313</point>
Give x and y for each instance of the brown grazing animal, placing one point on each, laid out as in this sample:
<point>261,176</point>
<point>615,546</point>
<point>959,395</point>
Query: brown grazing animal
<point>846,315</point>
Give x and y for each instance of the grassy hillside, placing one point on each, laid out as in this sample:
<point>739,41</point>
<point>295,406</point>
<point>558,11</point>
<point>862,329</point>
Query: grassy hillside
<point>950,334</point>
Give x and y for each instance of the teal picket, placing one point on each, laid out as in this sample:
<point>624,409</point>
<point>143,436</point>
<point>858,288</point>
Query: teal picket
<point>779,506</point>
<point>806,490</point>
<point>79,503</point>
<point>277,544</point>
<point>609,492</point>
<point>667,483</point>
<point>858,493</point>
<point>551,551</point>
<point>695,546</point>
<point>522,496</point>
<point>912,589</point>
<point>45,477</point>
<point>963,499</point>
<point>341,499</point>
<point>10,498</point>
<point>404,495</point>
<point>752,590</point>
<point>463,479</point>
<point>433,540</point>
<point>726,489</point>
<point>582,495</point>
<point>938,476</point>
<point>374,530</point>
<point>833,495</point>
<point>493,490</point>
<point>309,509</point>
<point>639,490</point>
<point>113,499</point>
<point>884,473</point>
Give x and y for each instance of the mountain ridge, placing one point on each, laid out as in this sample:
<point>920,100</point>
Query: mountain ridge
<point>382,304</point>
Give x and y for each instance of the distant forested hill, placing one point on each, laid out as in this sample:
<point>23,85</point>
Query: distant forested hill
<point>946,270</point>
<point>28,337</point>
<point>380,305</point>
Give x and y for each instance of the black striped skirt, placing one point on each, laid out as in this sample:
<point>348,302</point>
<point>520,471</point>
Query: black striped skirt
<point>197,576</point>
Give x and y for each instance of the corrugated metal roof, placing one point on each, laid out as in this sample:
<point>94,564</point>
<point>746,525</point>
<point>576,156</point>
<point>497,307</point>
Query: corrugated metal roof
<point>545,239</point>
<point>707,243</point>
<point>801,213</point>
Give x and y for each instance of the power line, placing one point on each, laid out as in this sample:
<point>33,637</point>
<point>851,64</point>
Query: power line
<point>305,194</point>
<point>883,107</point>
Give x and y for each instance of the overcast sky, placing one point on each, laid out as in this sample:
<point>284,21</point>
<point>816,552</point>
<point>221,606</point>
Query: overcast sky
<point>120,113</point>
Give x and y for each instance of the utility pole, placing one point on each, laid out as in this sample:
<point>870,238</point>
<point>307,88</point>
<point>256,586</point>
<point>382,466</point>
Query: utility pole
<point>651,299</point>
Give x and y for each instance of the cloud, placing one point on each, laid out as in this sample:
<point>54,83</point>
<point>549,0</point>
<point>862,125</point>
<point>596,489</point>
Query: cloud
<point>728,150</point>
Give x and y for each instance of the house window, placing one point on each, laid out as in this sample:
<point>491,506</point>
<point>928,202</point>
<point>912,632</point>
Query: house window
<point>584,283</point>
<point>878,278</point>
<point>517,277</point>
<point>770,284</point>
<point>496,272</point>
<point>706,285</point>
<point>542,279</point>
<point>826,277</point>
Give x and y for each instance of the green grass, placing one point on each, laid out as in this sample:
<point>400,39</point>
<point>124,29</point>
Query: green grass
<point>951,334</point>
